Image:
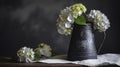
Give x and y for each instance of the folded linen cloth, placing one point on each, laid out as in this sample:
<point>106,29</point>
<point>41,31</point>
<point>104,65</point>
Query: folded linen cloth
<point>103,59</point>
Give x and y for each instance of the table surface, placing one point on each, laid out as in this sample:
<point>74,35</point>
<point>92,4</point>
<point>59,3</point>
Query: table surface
<point>45,65</point>
<point>38,65</point>
<point>13,63</point>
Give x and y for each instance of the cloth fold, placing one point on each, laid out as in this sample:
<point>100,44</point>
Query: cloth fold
<point>103,59</point>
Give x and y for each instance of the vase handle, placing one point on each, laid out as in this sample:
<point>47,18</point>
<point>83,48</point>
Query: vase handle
<point>99,48</point>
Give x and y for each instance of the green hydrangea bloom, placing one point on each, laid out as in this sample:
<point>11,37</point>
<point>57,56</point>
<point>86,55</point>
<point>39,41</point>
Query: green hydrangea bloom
<point>78,9</point>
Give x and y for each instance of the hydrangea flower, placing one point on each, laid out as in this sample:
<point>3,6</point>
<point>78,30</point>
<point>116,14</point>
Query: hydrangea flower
<point>43,50</point>
<point>74,14</point>
<point>100,20</point>
<point>77,10</point>
<point>25,54</point>
<point>67,18</point>
<point>64,22</point>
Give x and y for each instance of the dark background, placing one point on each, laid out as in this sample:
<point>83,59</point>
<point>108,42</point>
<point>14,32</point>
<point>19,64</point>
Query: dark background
<point>30,22</point>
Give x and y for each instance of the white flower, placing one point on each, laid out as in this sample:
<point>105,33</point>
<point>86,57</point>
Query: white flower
<point>67,25</point>
<point>73,14</point>
<point>100,20</point>
<point>25,54</point>
<point>65,21</point>
<point>67,16</point>
<point>44,50</point>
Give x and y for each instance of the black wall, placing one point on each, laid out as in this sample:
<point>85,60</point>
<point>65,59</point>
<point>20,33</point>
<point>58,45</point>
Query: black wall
<point>30,22</point>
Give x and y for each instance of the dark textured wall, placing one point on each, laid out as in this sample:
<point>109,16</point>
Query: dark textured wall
<point>30,22</point>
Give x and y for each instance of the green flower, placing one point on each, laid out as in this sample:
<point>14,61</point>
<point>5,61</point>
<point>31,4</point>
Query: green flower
<point>77,9</point>
<point>43,51</point>
<point>74,14</point>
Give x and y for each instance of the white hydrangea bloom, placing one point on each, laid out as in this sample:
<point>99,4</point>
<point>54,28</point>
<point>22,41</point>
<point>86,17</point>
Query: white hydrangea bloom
<point>44,50</point>
<point>25,54</point>
<point>100,20</point>
<point>65,22</point>
<point>67,17</point>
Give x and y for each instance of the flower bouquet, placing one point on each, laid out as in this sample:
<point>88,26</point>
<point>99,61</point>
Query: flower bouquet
<point>77,14</point>
<point>74,21</point>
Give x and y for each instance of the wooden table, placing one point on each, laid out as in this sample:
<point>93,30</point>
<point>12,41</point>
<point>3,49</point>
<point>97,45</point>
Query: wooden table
<point>7,62</point>
<point>45,65</point>
<point>38,65</point>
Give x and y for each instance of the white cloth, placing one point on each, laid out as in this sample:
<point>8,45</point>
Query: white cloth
<point>103,59</point>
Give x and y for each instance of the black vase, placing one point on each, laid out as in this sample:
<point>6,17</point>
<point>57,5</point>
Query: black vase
<point>82,44</point>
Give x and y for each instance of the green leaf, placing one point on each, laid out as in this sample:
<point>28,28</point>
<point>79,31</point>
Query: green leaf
<point>80,20</point>
<point>37,57</point>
